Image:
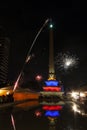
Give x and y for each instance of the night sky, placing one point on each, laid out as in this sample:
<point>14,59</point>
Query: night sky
<point>20,21</point>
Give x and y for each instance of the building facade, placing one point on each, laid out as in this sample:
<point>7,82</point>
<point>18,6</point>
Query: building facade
<point>4,55</point>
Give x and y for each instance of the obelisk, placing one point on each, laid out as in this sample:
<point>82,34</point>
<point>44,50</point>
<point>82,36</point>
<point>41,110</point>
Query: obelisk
<point>51,55</point>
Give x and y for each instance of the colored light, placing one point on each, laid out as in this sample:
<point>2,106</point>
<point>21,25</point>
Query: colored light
<point>38,77</point>
<point>52,83</point>
<point>38,113</point>
<point>52,113</point>
<point>57,89</point>
<point>52,107</point>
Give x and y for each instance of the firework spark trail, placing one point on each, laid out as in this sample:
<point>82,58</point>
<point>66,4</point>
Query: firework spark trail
<point>13,122</point>
<point>36,38</point>
<point>16,83</point>
<point>28,57</point>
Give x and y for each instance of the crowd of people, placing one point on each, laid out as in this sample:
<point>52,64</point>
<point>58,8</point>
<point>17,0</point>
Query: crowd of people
<point>6,98</point>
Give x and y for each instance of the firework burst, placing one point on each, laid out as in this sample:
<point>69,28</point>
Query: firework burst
<point>66,61</point>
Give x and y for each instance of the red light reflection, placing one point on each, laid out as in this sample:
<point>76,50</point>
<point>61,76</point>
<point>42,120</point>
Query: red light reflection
<point>58,107</point>
<point>38,113</point>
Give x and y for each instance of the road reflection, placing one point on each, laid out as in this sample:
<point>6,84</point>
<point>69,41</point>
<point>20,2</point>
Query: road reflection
<point>26,105</point>
<point>32,115</point>
<point>81,109</point>
<point>52,112</point>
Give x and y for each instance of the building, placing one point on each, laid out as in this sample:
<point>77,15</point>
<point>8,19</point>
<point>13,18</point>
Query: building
<point>4,55</point>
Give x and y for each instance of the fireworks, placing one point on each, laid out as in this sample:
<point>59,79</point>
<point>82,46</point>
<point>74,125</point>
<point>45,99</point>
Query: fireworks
<point>38,77</point>
<point>66,61</point>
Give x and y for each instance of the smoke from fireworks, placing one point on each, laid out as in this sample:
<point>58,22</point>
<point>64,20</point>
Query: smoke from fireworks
<point>66,61</point>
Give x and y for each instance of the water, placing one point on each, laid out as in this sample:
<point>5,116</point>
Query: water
<point>32,116</point>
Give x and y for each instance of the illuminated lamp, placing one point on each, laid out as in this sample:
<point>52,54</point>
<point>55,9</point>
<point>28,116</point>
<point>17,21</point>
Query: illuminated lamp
<point>52,113</point>
<point>52,83</point>
<point>52,107</point>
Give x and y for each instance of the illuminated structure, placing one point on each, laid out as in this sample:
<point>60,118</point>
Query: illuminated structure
<point>52,87</point>
<point>4,54</point>
<point>52,112</point>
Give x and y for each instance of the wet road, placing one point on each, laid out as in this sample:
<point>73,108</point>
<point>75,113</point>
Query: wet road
<point>31,115</point>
